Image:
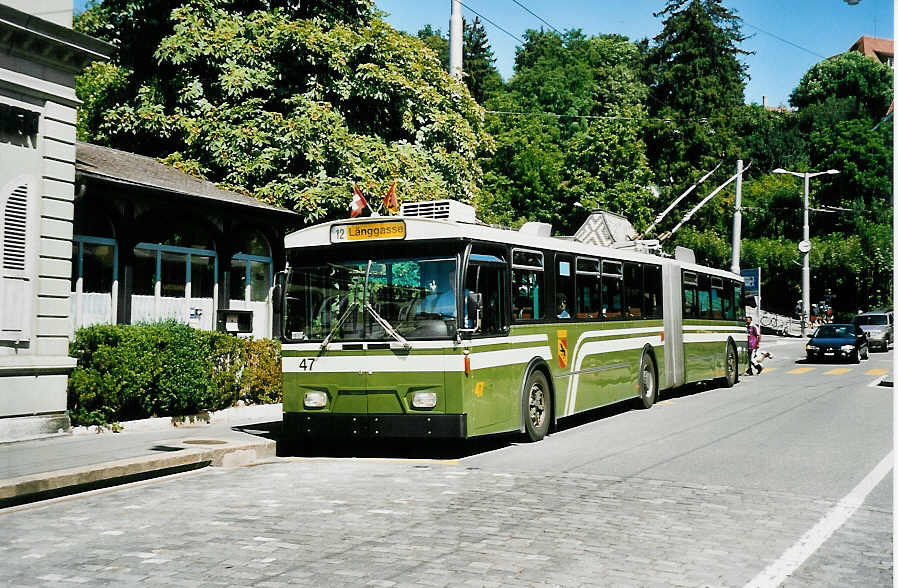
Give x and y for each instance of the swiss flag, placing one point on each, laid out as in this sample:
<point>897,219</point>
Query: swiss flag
<point>358,202</point>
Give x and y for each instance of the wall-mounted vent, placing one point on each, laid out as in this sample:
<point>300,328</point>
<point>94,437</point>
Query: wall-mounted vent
<point>440,209</point>
<point>15,229</point>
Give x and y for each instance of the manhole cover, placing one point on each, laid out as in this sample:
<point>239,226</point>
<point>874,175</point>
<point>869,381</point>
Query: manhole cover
<point>204,442</point>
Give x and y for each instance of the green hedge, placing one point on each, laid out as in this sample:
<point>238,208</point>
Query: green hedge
<point>128,372</point>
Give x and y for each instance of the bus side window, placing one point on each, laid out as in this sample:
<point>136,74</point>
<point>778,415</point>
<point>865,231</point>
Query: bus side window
<point>717,297</point>
<point>564,286</point>
<point>612,289</point>
<point>588,288</point>
<point>652,306</point>
<point>690,295</point>
<point>528,285</point>
<point>729,308</point>
<point>633,285</point>
<point>739,301</point>
<point>704,296</point>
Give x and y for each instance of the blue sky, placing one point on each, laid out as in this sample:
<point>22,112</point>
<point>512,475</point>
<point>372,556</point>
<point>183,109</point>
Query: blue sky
<point>819,27</point>
<point>787,37</point>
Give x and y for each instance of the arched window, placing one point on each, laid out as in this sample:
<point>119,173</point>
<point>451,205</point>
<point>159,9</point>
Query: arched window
<point>251,270</point>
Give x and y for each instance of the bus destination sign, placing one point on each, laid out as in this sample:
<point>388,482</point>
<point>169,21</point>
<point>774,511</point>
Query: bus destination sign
<point>368,231</point>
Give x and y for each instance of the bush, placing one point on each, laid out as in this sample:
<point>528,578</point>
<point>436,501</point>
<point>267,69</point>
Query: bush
<point>129,372</point>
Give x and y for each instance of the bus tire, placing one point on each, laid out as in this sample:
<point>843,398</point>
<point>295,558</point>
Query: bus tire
<point>538,405</point>
<point>648,380</point>
<point>731,367</point>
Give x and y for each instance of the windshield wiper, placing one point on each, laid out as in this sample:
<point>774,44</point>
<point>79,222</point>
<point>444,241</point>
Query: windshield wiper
<point>338,324</point>
<point>385,324</point>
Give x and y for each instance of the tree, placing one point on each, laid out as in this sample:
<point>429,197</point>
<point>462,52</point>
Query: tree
<point>478,62</point>
<point>572,138</point>
<point>695,59</point>
<point>437,43</point>
<point>696,92</point>
<point>863,81</point>
<point>295,110</point>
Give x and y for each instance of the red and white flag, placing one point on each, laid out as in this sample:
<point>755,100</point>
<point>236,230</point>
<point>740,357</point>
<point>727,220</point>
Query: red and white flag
<point>358,202</point>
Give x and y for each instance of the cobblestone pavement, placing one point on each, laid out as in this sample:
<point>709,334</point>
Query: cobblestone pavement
<point>352,522</point>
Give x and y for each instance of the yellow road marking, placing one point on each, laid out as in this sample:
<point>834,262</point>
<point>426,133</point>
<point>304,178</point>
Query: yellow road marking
<point>800,371</point>
<point>837,371</point>
<point>877,372</point>
<point>770,369</point>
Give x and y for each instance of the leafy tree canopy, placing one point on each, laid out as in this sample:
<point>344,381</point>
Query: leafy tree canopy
<point>291,109</point>
<point>853,76</point>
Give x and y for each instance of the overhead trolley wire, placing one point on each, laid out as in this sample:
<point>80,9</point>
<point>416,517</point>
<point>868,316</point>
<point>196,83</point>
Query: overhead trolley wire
<point>498,26</point>
<point>787,41</point>
<point>541,19</point>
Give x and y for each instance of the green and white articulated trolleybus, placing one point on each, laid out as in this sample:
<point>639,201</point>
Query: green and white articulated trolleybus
<point>423,325</point>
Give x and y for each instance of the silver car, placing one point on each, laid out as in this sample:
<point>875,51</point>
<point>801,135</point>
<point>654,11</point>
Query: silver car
<point>878,325</point>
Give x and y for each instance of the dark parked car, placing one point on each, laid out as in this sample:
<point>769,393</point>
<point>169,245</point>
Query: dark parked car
<point>878,326</point>
<point>837,341</point>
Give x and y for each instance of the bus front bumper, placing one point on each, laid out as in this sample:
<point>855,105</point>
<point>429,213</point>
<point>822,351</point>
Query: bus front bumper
<point>303,425</point>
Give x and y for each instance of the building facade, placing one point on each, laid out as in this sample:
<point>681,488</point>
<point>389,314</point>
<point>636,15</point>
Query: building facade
<point>39,58</point>
<point>153,243</point>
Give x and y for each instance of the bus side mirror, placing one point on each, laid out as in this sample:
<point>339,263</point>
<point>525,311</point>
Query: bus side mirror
<point>475,308</point>
<point>280,287</point>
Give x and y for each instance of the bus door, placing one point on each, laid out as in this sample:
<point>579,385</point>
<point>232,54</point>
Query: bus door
<point>487,390</point>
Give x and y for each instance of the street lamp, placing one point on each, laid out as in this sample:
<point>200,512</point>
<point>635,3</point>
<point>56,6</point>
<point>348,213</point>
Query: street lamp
<point>805,246</point>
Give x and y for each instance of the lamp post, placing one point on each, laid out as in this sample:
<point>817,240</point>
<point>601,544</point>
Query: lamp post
<point>805,246</point>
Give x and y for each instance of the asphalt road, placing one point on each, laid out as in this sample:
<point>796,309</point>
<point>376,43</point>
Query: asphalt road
<point>779,480</point>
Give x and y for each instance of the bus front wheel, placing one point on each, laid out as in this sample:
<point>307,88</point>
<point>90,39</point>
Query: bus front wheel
<point>538,402</point>
<point>648,383</point>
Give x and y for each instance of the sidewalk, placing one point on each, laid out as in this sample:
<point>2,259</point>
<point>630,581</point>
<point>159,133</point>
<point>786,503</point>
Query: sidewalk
<point>56,466</point>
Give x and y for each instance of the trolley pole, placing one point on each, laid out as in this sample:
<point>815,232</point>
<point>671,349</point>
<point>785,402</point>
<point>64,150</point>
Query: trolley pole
<point>737,220</point>
<point>805,246</point>
<point>806,261</point>
<point>456,27</point>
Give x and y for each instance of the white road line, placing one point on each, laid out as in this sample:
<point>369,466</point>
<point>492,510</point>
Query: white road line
<point>875,382</point>
<point>791,560</point>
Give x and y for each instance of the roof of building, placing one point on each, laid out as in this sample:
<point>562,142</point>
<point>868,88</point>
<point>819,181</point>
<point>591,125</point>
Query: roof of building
<point>45,38</point>
<point>130,169</point>
<point>874,47</point>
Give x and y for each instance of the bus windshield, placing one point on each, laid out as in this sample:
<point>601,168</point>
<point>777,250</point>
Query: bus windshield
<point>413,296</point>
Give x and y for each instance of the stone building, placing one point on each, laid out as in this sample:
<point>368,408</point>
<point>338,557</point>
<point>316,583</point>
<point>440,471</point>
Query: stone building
<point>39,57</point>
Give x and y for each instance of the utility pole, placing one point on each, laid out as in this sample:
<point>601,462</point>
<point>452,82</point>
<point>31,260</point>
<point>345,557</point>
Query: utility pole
<point>456,29</point>
<point>737,221</point>
<point>805,246</point>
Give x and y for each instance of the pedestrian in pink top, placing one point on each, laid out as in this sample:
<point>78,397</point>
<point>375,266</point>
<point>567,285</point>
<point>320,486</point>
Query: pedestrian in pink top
<point>754,340</point>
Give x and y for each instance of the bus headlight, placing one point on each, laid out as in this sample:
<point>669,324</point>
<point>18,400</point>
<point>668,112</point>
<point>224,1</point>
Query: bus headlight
<point>424,399</point>
<point>811,347</point>
<point>847,347</point>
<point>315,399</point>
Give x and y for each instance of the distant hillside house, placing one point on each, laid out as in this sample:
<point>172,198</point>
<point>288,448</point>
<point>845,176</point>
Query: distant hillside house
<point>40,55</point>
<point>881,50</point>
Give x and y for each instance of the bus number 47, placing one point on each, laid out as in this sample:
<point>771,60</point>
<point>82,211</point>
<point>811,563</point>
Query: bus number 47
<point>306,364</point>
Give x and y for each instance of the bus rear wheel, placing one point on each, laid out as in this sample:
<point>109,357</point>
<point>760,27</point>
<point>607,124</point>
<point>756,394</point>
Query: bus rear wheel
<point>648,383</point>
<point>538,403</point>
<point>731,367</point>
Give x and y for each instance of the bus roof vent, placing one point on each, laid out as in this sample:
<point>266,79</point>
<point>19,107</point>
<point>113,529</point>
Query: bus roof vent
<point>536,229</point>
<point>684,254</point>
<point>440,209</point>
<point>605,228</point>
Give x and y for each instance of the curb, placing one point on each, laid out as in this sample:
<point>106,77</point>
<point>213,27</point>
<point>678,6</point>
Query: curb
<point>234,415</point>
<point>181,455</point>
